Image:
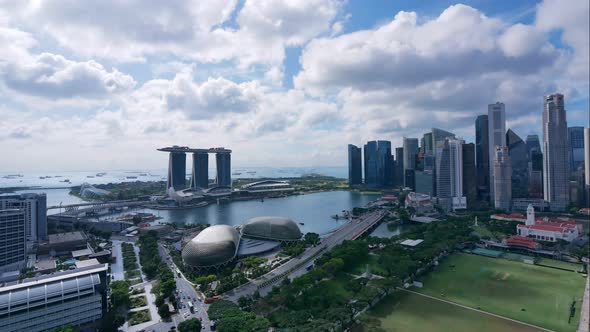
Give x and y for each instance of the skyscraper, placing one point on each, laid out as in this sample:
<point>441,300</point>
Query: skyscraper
<point>587,165</point>
<point>427,143</point>
<point>469,175</point>
<point>177,170</point>
<point>576,152</point>
<point>35,209</point>
<point>520,164</point>
<point>399,167</point>
<point>223,161</point>
<point>555,153</point>
<point>200,176</point>
<point>536,174</point>
<point>378,164</point>
<point>13,245</point>
<point>354,165</point>
<point>496,135</point>
<point>410,151</point>
<point>502,179</point>
<point>423,181</point>
<point>482,157</point>
<point>532,144</point>
<point>449,173</point>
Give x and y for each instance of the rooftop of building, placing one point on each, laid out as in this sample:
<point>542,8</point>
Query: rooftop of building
<point>56,276</point>
<point>81,252</point>
<point>411,243</point>
<point>66,237</point>
<point>176,148</point>
<point>87,263</point>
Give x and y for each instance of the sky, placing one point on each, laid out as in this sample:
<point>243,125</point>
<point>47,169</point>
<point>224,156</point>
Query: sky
<point>101,84</point>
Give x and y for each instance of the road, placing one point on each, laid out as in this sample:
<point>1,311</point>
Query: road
<point>186,293</point>
<point>298,266</point>
<point>117,269</point>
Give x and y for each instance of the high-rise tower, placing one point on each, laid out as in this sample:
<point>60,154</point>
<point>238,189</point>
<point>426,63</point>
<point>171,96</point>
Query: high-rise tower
<point>354,165</point>
<point>223,163</point>
<point>200,175</point>
<point>555,154</point>
<point>496,135</point>
<point>482,157</point>
<point>502,179</point>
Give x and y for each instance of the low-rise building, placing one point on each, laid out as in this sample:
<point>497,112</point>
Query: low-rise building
<point>422,203</point>
<point>46,303</point>
<point>546,229</point>
<point>63,243</point>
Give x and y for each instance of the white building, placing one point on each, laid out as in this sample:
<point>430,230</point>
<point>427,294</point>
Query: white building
<point>46,303</point>
<point>555,153</point>
<point>35,208</point>
<point>496,136</point>
<point>502,182</point>
<point>449,173</point>
<point>548,230</point>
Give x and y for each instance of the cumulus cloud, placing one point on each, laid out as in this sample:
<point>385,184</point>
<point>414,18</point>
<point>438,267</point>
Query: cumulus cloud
<point>461,42</point>
<point>53,76</point>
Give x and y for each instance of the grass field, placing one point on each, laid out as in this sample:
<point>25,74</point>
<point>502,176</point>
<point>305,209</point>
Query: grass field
<point>507,287</point>
<point>405,312</point>
<point>560,264</point>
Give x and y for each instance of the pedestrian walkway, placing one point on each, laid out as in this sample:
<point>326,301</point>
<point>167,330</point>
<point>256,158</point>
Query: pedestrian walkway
<point>584,325</point>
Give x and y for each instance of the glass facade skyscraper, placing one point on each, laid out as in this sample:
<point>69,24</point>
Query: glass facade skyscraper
<point>378,164</point>
<point>410,152</point>
<point>482,157</point>
<point>496,135</point>
<point>555,153</point>
<point>518,152</point>
<point>575,137</point>
<point>469,175</point>
<point>354,165</point>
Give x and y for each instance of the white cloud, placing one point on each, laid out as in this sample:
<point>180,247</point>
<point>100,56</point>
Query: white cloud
<point>54,77</point>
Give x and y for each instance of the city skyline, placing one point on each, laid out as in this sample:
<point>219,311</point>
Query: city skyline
<point>83,93</point>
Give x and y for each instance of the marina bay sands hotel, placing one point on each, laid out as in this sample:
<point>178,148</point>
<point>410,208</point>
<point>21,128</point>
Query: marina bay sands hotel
<point>200,166</point>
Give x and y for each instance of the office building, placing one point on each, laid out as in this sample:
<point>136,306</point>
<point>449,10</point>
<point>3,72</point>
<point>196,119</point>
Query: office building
<point>449,174</point>
<point>46,303</point>
<point>410,151</point>
<point>223,161</point>
<point>482,158</point>
<point>200,174</point>
<point>354,165</point>
<point>587,165</point>
<point>575,137</point>
<point>502,179</point>
<point>399,167</point>
<point>555,153</point>
<point>378,164</point>
<point>535,177</point>
<point>496,135</point>
<point>35,208</point>
<point>469,175</point>
<point>533,144</point>
<point>518,152</point>
<point>427,143</point>
<point>386,163</point>
<point>409,180</point>
<point>439,135</point>
<point>13,244</point>
<point>424,182</point>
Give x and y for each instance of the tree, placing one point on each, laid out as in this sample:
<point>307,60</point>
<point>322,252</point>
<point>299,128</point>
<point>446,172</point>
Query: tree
<point>164,311</point>
<point>67,328</point>
<point>120,293</point>
<point>190,325</point>
<point>159,301</point>
<point>312,238</point>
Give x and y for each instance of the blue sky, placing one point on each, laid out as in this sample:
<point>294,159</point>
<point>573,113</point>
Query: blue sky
<point>284,83</point>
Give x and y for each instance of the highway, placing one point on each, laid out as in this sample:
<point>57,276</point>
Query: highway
<point>298,266</point>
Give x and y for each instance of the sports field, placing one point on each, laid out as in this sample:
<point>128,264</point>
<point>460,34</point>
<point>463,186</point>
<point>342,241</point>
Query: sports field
<point>406,312</point>
<point>534,294</point>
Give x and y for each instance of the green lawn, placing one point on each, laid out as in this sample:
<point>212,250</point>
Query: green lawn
<point>507,287</point>
<point>405,312</point>
<point>560,264</point>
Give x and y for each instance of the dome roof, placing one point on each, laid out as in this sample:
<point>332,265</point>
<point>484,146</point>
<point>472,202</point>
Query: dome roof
<point>272,228</point>
<point>215,245</point>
